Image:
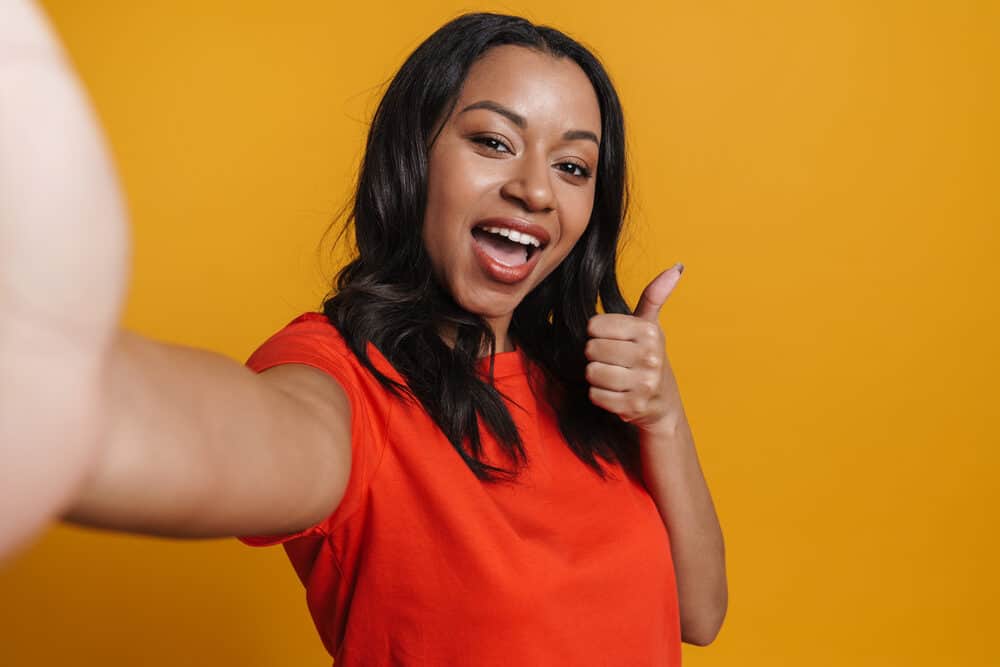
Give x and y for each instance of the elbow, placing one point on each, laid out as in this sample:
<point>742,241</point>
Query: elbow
<point>704,628</point>
<point>701,636</point>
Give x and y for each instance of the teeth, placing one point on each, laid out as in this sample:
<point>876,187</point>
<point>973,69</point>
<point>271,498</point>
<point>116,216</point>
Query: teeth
<point>515,236</point>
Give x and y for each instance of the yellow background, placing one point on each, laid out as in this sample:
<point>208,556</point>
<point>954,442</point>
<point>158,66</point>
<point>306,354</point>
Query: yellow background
<point>827,171</point>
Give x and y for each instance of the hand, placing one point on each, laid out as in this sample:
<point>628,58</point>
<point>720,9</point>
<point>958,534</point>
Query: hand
<point>629,373</point>
<point>63,259</point>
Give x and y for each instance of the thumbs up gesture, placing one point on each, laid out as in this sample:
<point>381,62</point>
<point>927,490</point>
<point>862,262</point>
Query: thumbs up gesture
<point>628,370</point>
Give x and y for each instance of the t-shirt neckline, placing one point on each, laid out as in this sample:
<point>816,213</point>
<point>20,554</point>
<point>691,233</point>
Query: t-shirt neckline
<point>504,364</point>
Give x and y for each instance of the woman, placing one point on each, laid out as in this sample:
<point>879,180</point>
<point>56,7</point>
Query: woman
<point>466,464</point>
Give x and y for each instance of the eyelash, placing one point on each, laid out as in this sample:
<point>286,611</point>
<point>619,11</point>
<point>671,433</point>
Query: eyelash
<point>492,144</point>
<point>584,172</point>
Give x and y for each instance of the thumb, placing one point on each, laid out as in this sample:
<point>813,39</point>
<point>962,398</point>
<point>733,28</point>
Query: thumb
<point>656,293</point>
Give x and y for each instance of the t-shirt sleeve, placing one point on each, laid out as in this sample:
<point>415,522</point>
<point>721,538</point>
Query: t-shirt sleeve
<point>311,340</point>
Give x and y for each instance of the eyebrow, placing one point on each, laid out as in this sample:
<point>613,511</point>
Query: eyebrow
<point>522,122</point>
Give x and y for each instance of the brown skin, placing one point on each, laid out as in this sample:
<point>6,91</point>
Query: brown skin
<point>529,173</point>
<point>63,257</point>
<point>630,375</point>
<point>483,165</point>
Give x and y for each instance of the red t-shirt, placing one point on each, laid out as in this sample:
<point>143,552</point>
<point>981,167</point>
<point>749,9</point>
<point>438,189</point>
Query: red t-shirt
<point>423,564</point>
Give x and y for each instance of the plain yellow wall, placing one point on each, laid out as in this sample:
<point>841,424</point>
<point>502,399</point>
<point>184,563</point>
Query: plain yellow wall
<point>827,171</point>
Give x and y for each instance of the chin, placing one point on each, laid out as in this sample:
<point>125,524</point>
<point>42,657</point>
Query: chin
<point>491,313</point>
<point>491,305</point>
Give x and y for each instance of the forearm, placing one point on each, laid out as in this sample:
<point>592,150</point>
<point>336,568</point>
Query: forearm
<point>196,445</point>
<point>674,478</point>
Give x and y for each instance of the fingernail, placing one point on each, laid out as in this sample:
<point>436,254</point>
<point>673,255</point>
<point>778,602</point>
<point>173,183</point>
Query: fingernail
<point>679,267</point>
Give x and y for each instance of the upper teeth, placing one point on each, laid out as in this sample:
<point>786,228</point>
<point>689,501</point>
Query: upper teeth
<point>515,236</point>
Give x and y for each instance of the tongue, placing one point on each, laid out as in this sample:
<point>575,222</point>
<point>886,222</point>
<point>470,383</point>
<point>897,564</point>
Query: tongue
<point>504,251</point>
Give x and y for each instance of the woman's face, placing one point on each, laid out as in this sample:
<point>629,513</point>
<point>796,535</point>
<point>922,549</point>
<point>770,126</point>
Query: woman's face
<point>516,158</point>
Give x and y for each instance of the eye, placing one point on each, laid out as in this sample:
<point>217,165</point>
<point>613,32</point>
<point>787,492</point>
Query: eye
<point>492,143</point>
<point>574,169</point>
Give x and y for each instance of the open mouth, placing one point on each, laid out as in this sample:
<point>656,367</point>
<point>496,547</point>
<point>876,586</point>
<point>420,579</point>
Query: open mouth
<point>507,246</point>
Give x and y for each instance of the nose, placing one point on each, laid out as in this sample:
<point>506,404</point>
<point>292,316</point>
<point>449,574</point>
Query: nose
<point>530,185</point>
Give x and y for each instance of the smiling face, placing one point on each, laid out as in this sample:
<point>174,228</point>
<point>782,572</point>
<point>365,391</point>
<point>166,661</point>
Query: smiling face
<point>511,179</point>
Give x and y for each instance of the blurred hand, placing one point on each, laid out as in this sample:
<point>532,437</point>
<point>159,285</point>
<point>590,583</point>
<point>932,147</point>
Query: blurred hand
<point>63,275</point>
<point>629,373</point>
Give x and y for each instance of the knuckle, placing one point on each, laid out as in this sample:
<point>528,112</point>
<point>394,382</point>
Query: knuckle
<point>598,399</point>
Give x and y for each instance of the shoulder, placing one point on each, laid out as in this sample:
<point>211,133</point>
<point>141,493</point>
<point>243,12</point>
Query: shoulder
<point>309,360</point>
<point>308,337</point>
<point>310,357</point>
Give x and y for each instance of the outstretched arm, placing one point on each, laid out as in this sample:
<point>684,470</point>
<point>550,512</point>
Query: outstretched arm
<point>100,425</point>
<point>197,445</point>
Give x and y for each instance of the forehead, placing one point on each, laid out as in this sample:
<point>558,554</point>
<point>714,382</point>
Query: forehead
<point>547,91</point>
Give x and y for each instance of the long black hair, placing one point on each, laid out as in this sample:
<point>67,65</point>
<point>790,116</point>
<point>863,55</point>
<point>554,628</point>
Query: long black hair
<point>388,294</point>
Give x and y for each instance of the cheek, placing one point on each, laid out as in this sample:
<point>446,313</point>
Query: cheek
<point>439,210</point>
<point>577,210</point>
<point>449,193</point>
<point>459,190</point>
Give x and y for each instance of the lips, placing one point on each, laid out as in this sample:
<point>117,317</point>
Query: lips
<point>507,261</point>
<point>516,225</point>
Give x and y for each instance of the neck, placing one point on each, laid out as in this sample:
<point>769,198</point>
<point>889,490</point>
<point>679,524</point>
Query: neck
<point>499,326</point>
